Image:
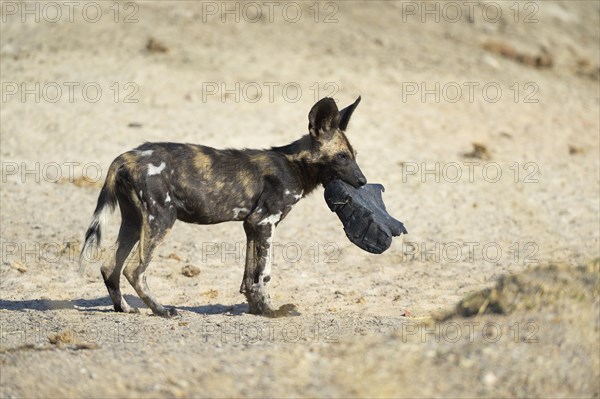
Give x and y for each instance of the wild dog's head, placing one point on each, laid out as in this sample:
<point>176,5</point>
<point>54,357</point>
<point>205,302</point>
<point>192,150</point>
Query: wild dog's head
<point>331,150</point>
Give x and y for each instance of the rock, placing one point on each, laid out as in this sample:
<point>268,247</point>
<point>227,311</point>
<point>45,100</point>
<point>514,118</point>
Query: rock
<point>490,379</point>
<point>174,256</point>
<point>154,46</point>
<point>211,294</point>
<point>190,270</point>
<point>19,266</point>
<point>479,151</point>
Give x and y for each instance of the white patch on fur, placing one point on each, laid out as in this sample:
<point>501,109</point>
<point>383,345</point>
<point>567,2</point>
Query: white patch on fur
<point>237,211</point>
<point>271,219</point>
<point>267,270</point>
<point>167,199</point>
<point>155,170</point>
<point>141,193</point>
<point>153,202</point>
<point>296,196</point>
<point>146,153</point>
<point>103,217</point>
<point>150,218</point>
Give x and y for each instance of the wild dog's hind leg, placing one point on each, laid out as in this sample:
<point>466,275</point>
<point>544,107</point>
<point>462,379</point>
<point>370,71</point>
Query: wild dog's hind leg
<point>128,237</point>
<point>156,223</point>
<point>129,234</point>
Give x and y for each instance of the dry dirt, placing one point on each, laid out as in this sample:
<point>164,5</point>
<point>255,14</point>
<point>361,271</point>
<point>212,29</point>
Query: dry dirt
<point>483,127</point>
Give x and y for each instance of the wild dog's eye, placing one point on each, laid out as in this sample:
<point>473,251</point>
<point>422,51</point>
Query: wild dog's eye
<point>342,156</point>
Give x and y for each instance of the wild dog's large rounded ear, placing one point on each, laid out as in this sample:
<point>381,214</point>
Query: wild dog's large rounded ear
<point>323,117</point>
<point>346,113</point>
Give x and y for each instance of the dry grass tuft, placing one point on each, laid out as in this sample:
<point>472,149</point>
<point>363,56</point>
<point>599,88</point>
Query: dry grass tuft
<point>531,290</point>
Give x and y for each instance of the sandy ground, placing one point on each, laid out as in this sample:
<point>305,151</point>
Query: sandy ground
<point>80,86</point>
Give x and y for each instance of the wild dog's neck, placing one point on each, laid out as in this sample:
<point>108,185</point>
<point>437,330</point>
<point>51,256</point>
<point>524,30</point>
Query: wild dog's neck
<point>299,154</point>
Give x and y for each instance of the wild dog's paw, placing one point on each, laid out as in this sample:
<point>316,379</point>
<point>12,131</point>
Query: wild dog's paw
<point>125,308</point>
<point>254,309</point>
<point>166,312</point>
<point>171,312</point>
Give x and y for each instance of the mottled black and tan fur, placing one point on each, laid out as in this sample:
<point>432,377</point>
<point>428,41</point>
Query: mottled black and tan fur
<point>159,183</point>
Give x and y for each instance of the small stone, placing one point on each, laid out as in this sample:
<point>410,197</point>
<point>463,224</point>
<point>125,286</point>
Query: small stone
<point>479,151</point>
<point>155,46</point>
<point>19,266</point>
<point>211,294</point>
<point>174,256</point>
<point>575,150</point>
<point>490,379</point>
<point>466,363</point>
<point>190,270</point>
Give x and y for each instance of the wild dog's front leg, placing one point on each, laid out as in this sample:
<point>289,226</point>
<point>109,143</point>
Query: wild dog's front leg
<point>258,270</point>
<point>250,267</point>
<point>258,265</point>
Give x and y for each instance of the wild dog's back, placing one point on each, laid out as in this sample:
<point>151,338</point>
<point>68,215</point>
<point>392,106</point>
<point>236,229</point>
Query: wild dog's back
<point>201,184</point>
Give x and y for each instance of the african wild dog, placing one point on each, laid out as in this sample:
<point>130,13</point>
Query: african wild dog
<point>158,183</point>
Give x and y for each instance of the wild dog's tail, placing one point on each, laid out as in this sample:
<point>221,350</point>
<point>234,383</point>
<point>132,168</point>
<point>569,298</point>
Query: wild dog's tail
<point>107,201</point>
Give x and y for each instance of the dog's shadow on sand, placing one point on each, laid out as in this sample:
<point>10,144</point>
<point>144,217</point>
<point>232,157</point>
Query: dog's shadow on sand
<point>104,305</point>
